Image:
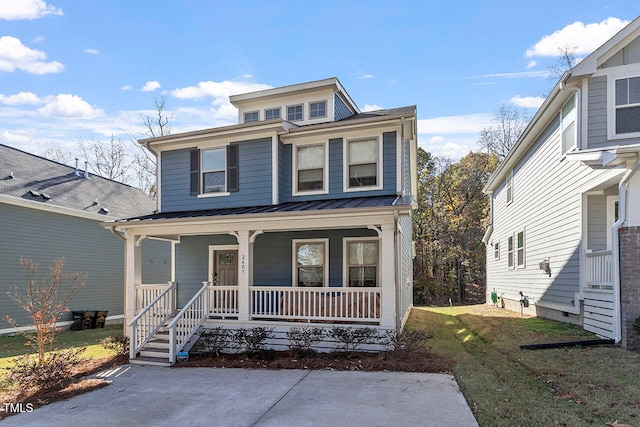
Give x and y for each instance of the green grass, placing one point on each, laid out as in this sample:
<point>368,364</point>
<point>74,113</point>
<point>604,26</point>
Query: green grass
<point>12,346</point>
<point>506,386</point>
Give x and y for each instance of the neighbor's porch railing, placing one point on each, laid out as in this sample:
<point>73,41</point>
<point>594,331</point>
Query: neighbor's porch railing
<point>151,318</point>
<point>598,272</point>
<point>187,321</point>
<point>315,304</point>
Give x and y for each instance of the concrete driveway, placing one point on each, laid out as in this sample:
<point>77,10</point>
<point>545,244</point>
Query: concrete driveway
<point>155,396</point>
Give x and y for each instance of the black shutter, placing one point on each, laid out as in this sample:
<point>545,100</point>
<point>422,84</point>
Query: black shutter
<point>233,172</point>
<point>195,172</point>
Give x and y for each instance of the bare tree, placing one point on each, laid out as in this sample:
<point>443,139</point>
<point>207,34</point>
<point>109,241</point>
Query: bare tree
<point>58,154</point>
<point>504,131</point>
<point>158,124</point>
<point>109,160</point>
<point>566,61</point>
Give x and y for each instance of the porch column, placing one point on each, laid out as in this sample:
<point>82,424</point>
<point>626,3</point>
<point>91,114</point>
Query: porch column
<point>243,275</point>
<point>132,276</point>
<point>388,276</point>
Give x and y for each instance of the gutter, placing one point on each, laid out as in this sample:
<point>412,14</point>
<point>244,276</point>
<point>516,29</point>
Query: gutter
<point>117,234</point>
<point>615,253</point>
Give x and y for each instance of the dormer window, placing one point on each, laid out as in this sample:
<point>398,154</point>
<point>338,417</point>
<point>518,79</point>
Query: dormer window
<point>294,113</point>
<point>272,113</point>
<point>251,116</point>
<point>317,109</point>
<point>309,165</point>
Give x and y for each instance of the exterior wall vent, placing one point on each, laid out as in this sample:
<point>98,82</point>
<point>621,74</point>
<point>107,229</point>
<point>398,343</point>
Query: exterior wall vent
<point>103,211</point>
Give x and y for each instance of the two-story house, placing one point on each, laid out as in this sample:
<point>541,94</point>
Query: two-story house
<point>299,213</point>
<point>564,239</point>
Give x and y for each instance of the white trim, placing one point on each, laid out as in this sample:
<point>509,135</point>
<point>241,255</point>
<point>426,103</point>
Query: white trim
<point>294,172</point>
<point>524,249</point>
<point>583,135</point>
<point>212,250</point>
<point>202,172</point>
<point>275,194</point>
<point>611,218</point>
<point>345,258</point>
<point>624,72</point>
<point>508,187</point>
<point>158,181</point>
<point>345,164</point>
<point>62,210</point>
<point>213,194</point>
<point>294,260</point>
<point>574,113</point>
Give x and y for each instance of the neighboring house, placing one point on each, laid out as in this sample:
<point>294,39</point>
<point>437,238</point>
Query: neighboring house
<point>300,215</point>
<point>565,202</point>
<point>50,211</point>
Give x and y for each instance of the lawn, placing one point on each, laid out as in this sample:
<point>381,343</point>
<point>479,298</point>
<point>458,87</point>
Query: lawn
<point>506,386</point>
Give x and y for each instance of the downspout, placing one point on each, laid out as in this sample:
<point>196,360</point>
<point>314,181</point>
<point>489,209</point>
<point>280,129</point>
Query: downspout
<point>398,262</point>
<point>615,248</point>
<point>117,234</point>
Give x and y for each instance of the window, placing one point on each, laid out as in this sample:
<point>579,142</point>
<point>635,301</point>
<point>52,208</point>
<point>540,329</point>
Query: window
<point>214,171</point>
<point>362,163</point>
<point>496,250</point>
<point>362,263</point>
<point>317,109</point>
<point>510,251</point>
<point>510,186</point>
<point>309,164</point>
<point>252,116</point>
<point>627,106</point>
<point>272,113</point>
<point>310,262</point>
<point>520,249</point>
<point>568,125</point>
<point>294,113</point>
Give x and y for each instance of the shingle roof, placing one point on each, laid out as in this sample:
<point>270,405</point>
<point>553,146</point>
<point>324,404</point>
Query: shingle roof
<point>40,180</point>
<point>289,207</point>
<point>383,113</point>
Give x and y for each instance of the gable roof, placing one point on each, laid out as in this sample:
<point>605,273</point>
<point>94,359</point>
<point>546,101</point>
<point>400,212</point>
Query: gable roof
<point>34,181</point>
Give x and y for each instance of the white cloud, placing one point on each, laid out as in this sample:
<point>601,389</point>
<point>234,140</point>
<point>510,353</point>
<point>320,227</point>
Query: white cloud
<point>91,51</point>
<point>150,86</point>
<point>448,147</point>
<point>16,56</point>
<point>585,38</point>
<point>527,101</point>
<point>531,64</point>
<point>371,107</point>
<point>220,91</point>
<point>366,76</point>
<point>12,10</point>
<point>514,75</point>
<point>38,39</point>
<point>15,137</point>
<point>126,87</point>
<point>67,105</point>
<point>21,98</point>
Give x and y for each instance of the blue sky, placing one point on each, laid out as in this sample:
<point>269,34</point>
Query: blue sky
<point>81,70</point>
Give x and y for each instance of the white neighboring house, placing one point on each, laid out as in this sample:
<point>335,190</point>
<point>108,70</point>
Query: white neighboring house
<point>565,203</point>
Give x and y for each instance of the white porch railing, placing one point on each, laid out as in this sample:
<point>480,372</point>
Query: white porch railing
<point>187,321</point>
<point>148,321</point>
<point>147,293</point>
<point>223,301</point>
<point>599,270</point>
<point>316,304</point>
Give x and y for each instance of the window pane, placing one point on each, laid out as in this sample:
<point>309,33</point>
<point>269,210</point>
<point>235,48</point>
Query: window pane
<point>213,182</point>
<point>362,276</point>
<point>310,254</point>
<point>568,138</point>
<point>213,159</point>
<point>363,253</point>
<point>294,112</point>
<point>311,157</point>
<point>363,151</point>
<point>520,256</point>
<point>628,120</point>
<point>520,239</point>
<point>273,113</point>
<point>634,90</point>
<point>362,175</point>
<point>311,179</point>
<point>622,90</point>
<point>310,276</point>
<point>317,109</point>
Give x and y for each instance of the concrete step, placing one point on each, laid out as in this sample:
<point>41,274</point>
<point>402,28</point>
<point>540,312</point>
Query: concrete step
<point>145,360</point>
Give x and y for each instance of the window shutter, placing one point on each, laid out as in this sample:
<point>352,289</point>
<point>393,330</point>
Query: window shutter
<point>233,172</point>
<point>195,172</point>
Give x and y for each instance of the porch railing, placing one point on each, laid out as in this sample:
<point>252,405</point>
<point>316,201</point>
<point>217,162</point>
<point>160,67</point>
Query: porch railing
<point>599,270</point>
<point>223,301</point>
<point>187,321</point>
<point>151,318</point>
<point>147,293</point>
<point>316,304</point>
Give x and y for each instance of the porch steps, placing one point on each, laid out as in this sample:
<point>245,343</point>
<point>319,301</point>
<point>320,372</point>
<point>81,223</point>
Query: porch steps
<point>155,352</point>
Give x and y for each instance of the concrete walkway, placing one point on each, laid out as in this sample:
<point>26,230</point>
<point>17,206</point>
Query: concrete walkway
<point>154,396</point>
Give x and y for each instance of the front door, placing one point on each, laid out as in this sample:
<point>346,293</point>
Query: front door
<point>226,268</point>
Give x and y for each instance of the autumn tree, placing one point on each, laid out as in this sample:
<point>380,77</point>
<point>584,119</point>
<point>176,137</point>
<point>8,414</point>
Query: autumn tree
<point>504,131</point>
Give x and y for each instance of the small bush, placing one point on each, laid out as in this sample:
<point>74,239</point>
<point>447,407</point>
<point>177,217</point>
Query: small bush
<point>53,370</point>
<point>214,340</point>
<point>406,340</point>
<point>302,339</point>
<point>118,344</point>
<point>350,339</point>
<point>251,340</point>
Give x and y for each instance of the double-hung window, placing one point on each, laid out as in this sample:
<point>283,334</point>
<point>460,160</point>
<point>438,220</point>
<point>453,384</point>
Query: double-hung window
<point>569,125</point>
<point>627,106</point>
<point>510,262</point>
<point>362,259</point>
<point>310,163</point>
<point>520,249</point>
<point>294,113</point>
<point>272,113</point>
<point>496,250</point>
<point>310,259</point>
<point>363,157</point>
<point>214,170</point>
<point>251,116</point>
<point>317,109</point>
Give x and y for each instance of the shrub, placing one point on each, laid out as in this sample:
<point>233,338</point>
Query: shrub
<point>29,371</point>
<point>406,340</point>
<point>350,339</point>
<point>251,340</point>
<point>302,339</point>
<point>636,325</point>
<point>118,344</point>
<point>214,340</point>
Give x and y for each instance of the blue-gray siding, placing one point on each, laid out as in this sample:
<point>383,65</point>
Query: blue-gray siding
<point>255,180</point>
<point>341,110</point>
<point>597,114</point>
<point>83,245</point>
